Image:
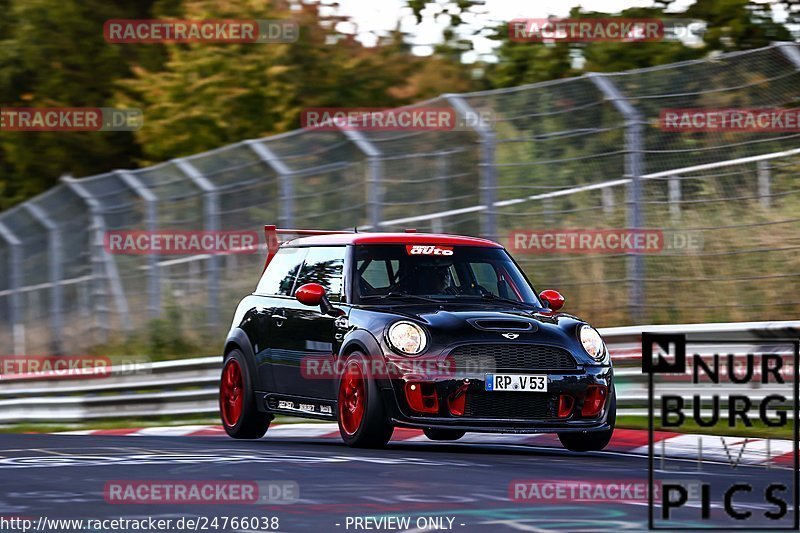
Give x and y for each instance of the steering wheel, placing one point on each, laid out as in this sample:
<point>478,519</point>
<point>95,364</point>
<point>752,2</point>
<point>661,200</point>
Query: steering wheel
<point>451,291</point>
<point>481,289</point>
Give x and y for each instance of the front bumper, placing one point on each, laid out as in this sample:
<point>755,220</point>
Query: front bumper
<point>505,412</point>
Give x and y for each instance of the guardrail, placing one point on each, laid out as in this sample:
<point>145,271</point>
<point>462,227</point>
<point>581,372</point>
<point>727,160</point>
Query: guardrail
<point>189,386</point>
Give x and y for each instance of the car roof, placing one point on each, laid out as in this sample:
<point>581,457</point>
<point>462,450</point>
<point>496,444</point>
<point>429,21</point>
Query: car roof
<point>391,238</point>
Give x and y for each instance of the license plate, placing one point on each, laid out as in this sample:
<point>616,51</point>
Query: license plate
<point>516,382</point>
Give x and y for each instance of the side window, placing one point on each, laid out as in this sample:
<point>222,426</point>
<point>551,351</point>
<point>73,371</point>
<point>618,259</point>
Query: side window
<point>279,278</point>
<point>324,265</point>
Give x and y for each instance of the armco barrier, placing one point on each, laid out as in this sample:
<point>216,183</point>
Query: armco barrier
<point>189,386</point>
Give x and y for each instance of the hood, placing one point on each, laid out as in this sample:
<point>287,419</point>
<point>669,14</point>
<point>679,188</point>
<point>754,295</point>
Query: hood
<point>491,324</point>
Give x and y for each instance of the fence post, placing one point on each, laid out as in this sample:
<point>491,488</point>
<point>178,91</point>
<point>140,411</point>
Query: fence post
<point>104,268</point>
<point>764,185</point>
<point>374,175</point>
<point>151,221</point>
<point>285,178</point>
<point>791,52</point>
<point>211,218</point>
<point>488,185</point>
<point>442,170</point>
<point>608,200</point>
<point>14,286</point>
<point>634,168</point>
<point>674,187</point>
<point>54,259</point>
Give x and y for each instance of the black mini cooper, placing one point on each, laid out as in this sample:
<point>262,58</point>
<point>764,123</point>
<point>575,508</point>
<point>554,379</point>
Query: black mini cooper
<point>437,332</point>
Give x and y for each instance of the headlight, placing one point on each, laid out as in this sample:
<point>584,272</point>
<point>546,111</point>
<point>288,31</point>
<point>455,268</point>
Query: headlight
<point>592,342</point>
<point>407,338</point>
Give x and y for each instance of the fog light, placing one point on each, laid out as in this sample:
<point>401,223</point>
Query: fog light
<point>595,400</point>
<point>565,405</point>
<point>422,397</point>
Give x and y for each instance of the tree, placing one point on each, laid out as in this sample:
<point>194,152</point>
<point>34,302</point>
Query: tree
<point>738,24</point>
<point>53,54</point>
<point>212,94</point>
<point>520,63</point>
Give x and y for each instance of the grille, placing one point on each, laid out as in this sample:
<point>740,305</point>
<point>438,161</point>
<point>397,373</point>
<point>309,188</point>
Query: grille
<point>520,405</point>
<point>512,357</point>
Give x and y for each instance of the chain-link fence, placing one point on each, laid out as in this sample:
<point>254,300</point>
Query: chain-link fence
<point>582,153</point>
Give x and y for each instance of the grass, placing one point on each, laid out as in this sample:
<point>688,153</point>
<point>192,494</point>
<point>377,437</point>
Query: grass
<point>758,429</point>
<point>158,421</point>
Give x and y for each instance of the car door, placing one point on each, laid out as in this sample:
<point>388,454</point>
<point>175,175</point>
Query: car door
<point>307,339</point>
<point>273,294</point>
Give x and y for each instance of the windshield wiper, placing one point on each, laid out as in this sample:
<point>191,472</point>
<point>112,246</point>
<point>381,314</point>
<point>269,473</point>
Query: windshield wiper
<point>400,295</point>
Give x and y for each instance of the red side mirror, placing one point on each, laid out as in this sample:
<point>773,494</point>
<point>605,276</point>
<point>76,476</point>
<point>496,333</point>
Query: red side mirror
<point>310,294</point>
<point>553,298</point>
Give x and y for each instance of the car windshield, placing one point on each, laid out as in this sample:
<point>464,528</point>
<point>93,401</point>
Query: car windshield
<point>437,273</point>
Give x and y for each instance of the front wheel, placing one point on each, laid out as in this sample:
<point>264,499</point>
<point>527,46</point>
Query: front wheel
<point>593,441</point>
<point>362,419</point>
<point>237,404</point>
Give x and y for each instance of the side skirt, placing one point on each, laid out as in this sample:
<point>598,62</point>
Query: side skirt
<point>302,406</point>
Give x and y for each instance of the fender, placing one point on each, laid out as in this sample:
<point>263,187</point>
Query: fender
<point>364,341</point>
<point>237,338</point>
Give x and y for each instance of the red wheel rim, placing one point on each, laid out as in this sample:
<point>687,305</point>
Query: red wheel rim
<point>231,391</point>
<point>352,398</point>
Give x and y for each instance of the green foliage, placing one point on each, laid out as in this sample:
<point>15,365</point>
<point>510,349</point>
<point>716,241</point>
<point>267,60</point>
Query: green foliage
<point>738,24</point>
<point>210,95</point>
<point>172,336</point>
<point>731,25</point>
<point>197,97</point>
<point>166,335</point>
<point>53,54</point>
<point>194,96</point>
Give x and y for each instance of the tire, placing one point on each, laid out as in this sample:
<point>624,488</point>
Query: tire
<point>360,412</point>
<point>237,403</point>
<point>592,441</point>
<point>443,434</point>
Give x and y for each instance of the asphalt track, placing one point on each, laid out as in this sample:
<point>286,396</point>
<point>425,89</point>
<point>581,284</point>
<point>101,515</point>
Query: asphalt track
<point>64,476</point>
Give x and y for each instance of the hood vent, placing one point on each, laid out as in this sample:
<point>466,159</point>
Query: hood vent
<point>503,324</point>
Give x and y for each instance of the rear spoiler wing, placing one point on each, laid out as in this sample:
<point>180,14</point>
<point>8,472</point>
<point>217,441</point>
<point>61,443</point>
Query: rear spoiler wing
<point>274,243</point>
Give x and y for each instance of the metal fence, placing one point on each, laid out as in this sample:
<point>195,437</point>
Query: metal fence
<point>190,387</point>
<point>584,152</point>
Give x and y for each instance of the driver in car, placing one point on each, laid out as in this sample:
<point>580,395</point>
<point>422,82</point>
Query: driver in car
<point>437,280</point>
